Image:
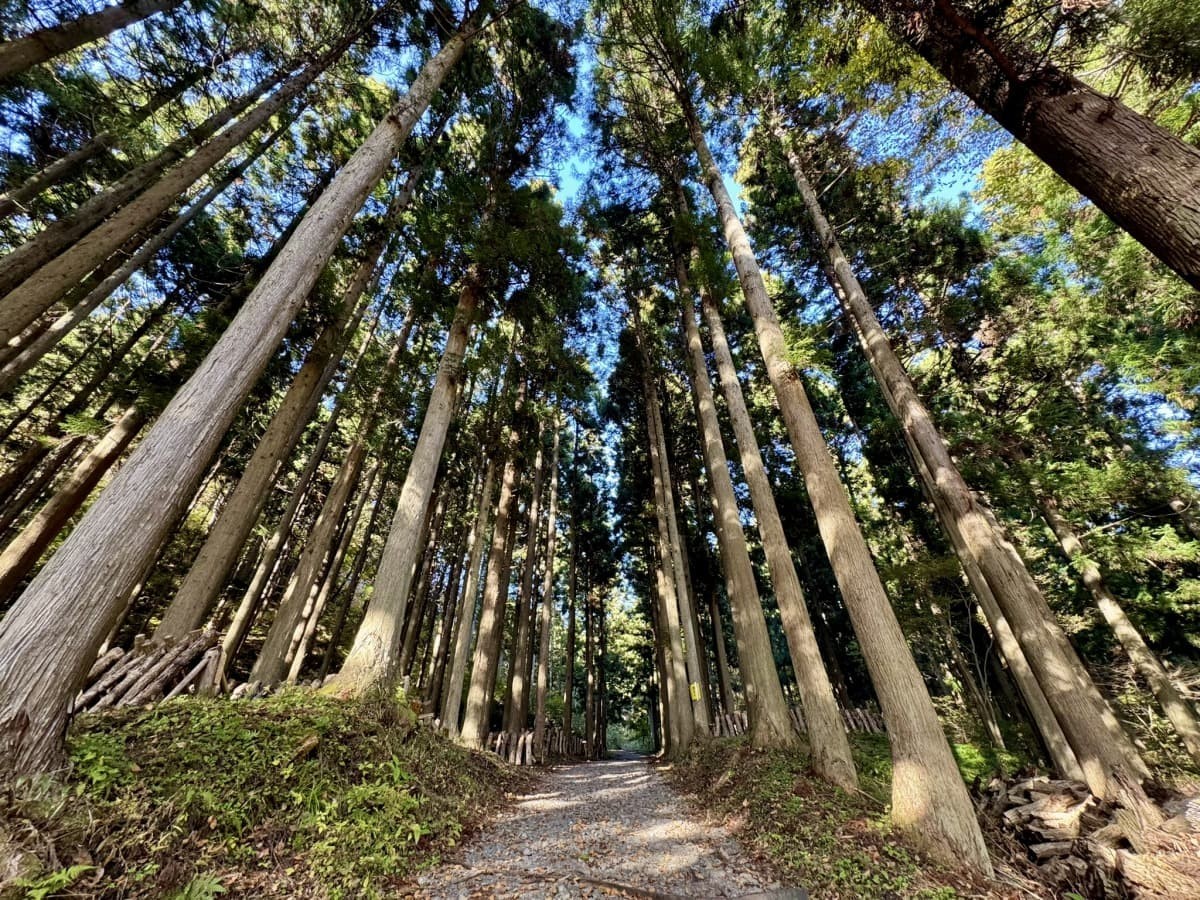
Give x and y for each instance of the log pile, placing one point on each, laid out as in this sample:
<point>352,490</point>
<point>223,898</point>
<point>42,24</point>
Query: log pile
<point>557,744</point>
<point>1075,842</point>
<point>151,671</point>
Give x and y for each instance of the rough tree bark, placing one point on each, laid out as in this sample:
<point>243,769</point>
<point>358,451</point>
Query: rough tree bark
<point>770,722</point>
<point>490,633</point>
<point>466,608</point>
<point>826,733</point>
<point>373,657</point>
<point>681,715</point>
<point>547,604</point>
<point>1139,174</point>
<point>87,580</point>
<point>25,52</point>
<point>930,803</point>
<point>1096,737</point>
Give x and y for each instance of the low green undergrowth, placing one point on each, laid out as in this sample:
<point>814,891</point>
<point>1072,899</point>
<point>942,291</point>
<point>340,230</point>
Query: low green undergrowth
<point>295,795</point>
<point>833,843</point>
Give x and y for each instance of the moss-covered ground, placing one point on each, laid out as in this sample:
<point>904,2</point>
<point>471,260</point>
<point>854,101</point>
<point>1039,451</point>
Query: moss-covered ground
<point>297,795</point>
<point>836,844</point>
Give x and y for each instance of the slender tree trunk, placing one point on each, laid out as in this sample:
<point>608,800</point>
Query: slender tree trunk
<point>589,668</point>
<point>1178,710</point>
<point>1098,741</point>
<point>43,288</point>
<point>929,800</point>
<point>350,588</point>
<point>495,590</point>
<point>25,52</point>
<point>466,611</point>
<point>724,679</point>
<point>23,551</point>
<point>373,657</point>
<point>1139,174</point>
<point>826,732</point>
<point>30,355</point>
<point>572,586</point>
<point>14,201</point>
<point>770,722</point>
<point>329,579</point>
<point>517,706</point>
<point>547,605</point>
<point>21,262</point>
<point>680,708</point>
<point>419,599</point>
<point>40,669</point>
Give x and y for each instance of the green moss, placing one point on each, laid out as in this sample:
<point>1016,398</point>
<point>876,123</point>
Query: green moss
<point>264,796</point>
<point>833,843</point>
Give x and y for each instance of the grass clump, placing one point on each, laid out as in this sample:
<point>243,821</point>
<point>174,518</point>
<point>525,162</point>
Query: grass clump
<point>294,795</point>
<point>833,843</point>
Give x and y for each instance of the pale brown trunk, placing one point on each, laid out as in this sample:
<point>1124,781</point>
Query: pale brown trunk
<point>547,604</point>
<point>419,599</point>
<point>25,52</point>
<point>1138,173</point>
<point>31,354</point>
<point>1097,739</point>
<point>40,670</point>
<point>930,803</point>
<point>373,657</point>
<point>516,710</point>
<point>330,578</point>
<point>21,262</point>
<point>350,588</point>
<point>680,707</point>
<point>50,282</point>
<point>770,723</point>
<point>572,586</point>
<point>480,533</point>
<point>831,757</point>
<point>490,633</point>
<point>23,551</point>
<point>1177,708</point>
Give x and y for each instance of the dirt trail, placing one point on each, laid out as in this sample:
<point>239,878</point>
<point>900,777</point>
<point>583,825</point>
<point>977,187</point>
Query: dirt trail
<point>601,829</point>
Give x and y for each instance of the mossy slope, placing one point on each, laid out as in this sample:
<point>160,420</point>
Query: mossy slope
<point>297,795</point>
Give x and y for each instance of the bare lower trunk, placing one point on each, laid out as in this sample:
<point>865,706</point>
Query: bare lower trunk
<point>495,595</point>
<point>23,551</point>
<point>329,578</point>
<point>547,605</point>
<point>569,648</point>
<point>1177,708</point>
<point>25,52</point>
<point>929,800</point>
<point>480,534</point>
<point>770,723</point>
<point>1097,739</point>
<point>680,706</point>
<point>1142,176</point>
<point>517,705</point>
<point>373,657</point>
<point>299,600</point>
<point>40,670</point>
<point>826,733</point>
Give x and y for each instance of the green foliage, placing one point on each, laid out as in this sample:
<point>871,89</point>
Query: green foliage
<point>54,883</point>
<point>348,796</point>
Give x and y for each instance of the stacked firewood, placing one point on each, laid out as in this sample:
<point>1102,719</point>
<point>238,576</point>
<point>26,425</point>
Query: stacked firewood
<point>1098,849</point>
<point>150,671</point>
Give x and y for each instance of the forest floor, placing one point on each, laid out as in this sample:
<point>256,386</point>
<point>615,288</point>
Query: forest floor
<point>602,829</point>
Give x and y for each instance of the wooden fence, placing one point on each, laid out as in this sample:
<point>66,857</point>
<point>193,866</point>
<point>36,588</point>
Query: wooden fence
<point>556,744</point>
<point>866,720</point>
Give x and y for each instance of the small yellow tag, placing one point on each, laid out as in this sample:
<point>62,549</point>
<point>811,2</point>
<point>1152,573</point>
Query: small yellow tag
<point>695,691</point>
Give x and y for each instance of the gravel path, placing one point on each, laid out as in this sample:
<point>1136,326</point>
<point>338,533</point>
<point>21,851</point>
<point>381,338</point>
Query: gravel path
<point>600,829</point>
